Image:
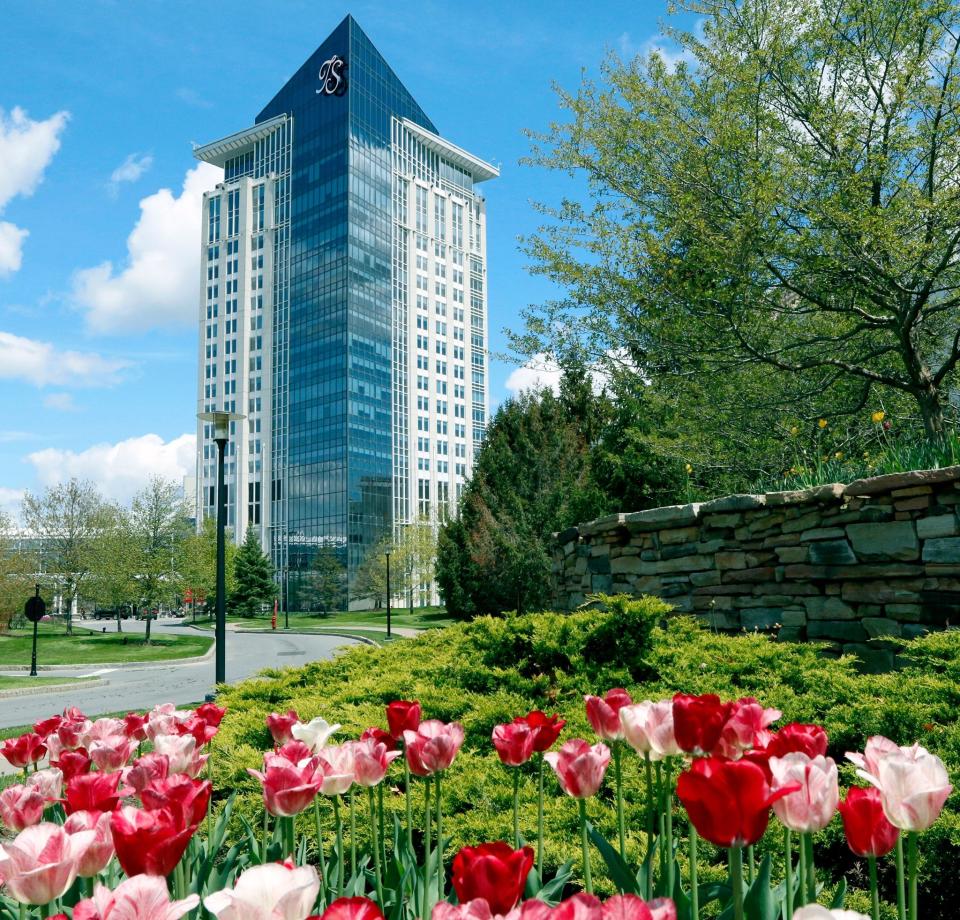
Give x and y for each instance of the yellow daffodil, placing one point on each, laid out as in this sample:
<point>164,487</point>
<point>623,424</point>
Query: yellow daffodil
<point>838,455</point>
<point>822,423</point>
<point>877,416</point>
<point>689,469</point>
<point>794,431</point>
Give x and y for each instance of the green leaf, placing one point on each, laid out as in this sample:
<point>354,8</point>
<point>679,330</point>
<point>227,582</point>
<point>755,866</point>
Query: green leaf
<point>620,873</point>
<point>759,902</point>
<point>839,895</point>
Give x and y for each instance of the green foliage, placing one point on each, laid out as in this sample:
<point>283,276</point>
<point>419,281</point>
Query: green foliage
<point>325,585</point>
<point>254,586</point>
<point>493,669</point>
<point>196,562</point>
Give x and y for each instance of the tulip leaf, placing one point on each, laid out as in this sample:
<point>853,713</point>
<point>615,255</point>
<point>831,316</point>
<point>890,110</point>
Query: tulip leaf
<point>759,902</point>
<point>620,873</point>
<point>552,891</point>
<point>839,895</point>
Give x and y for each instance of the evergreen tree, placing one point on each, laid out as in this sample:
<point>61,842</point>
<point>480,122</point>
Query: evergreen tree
<point>253,578</point>
<point>327,581</point>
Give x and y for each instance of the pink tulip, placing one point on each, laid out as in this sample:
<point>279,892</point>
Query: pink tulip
<point>433,746</point>
<point>142,897</point>
<point>372,759</point>
<point>812,806</point>
<point>100,851</point>
<point>352,909</point>
<point>663,740</point>
<point>876,749</point>
<point>280,725</point>
<point>111,753</point>
<point>746,728</point>
<point>913,786</point>
<point>287,788</point>
<point>21,806</point>
<point>275,891</point>
<point>145,770</point>
<point>49,783</point>
<point>635,726</point>
<point>604,713</point>
<point>340,769</point>
<point>101,730</point>
<point>580,767</point>
<point>514,743</point>
<point>23,750</point>
<point>41,862</point>
<point>818,912</point>
<point>182,751</point>
<point>165,719</point>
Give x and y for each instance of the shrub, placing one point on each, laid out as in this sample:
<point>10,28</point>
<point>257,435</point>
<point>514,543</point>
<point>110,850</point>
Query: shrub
<point>492,669</point>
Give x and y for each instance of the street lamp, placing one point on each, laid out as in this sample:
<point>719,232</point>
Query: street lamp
<point>221,434</point>
<point>387,554</point>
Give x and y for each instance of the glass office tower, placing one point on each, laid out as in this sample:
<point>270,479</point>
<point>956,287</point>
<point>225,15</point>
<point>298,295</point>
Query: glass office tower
<point>335,254</point>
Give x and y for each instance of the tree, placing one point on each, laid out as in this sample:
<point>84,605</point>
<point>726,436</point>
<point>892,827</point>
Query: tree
<point>370,582</point>
<point>326,581</point>
<point>414,559</point>
<point>15,569</point>
<point>196,562</point>
<point>158,518</point>
<point>253,578</point>
<point>774,221</point>
<point>66,520</point>
<point>116,562</point>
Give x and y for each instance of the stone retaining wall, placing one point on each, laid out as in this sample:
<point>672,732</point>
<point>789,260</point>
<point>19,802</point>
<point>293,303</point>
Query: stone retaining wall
<point>844,564</point>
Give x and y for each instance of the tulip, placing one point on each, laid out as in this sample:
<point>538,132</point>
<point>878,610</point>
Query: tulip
<point>94,792</point>
<point>199,729</point>
<point>546,729</point>
<point>187,799</point>
<point>661,731</point>
<point>23,750</point>
<point>814,802</point>
<point>100,851</point>
<point>150,842</point>
<point>135,724</point>
<point>21,806</point>
<point>603,713</point>
<point>342,763</point>
<point>868,831</point>
<point>514,743</point>
<point>41,862</point>
<point>281,725</point>
<point>111,752</point>
<point>371,760</point>
<point>798,738</point>
<point>143,897</point>
<point>45,727</point>
<point>146,769</point>
<point>165,719</point>
<point>914,785</point>
<point>102,729</point>
<point>876,749</point>
<point>493,871</point>
<point>211,713</point>
<point>352,909</point>
<point>72,763</point>
<point>314,734</point>
<point>626,907</point>
<point>403,716</point>
<point>816,912</point>
<point>274,891</point>
<point>289,789</point>
<point>746,728</point>
<point>433,746</point>
<point>698,722</point>
<point>294,751</point>
<point>378,734</point>
<point>49,783</point>
<point>182,752</point>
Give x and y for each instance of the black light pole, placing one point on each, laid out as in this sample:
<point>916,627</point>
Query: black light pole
<point>221,434</point>
<point>387,554</point>
<point>33,610</point>
<point>286,591</point>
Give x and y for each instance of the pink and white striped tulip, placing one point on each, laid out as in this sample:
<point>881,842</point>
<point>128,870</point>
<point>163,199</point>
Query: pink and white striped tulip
<point>182,753</point>
<point>21,806</point>
<point>340,768</point>
<point>100,851</point>
<point>579,767</point>
<point>914,786</point>
<point>41,862</point>
<point>812,806</point>
<point>433,746</point>
<point>275,891</point>
<point>371,760</point>
<point>142,897</point>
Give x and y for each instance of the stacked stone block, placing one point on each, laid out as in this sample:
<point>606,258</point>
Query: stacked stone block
<point>848,565</point>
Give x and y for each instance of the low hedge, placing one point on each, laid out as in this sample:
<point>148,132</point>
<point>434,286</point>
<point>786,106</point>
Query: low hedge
<point>490,670</point>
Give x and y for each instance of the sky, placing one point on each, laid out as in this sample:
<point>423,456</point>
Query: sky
<point>100,195</point>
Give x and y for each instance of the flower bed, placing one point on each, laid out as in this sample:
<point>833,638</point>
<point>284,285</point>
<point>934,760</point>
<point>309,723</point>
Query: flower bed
<point>122,812</point>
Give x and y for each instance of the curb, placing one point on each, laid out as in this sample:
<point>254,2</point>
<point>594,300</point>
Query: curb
<point>141,665</point>
<point>366,640</point>
<point>53,688</point>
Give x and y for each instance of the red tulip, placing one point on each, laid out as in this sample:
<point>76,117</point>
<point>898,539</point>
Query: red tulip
<point>100,851</point>
<point>185,798</point>
<point>580,767</point>
<point>698,722</point>
<point>403,716</point>
<point>514,743</point>
<point>371,760</point>
<point>94,792</point>
<point>199,729</point>
<point>581,906</point>
<point>432,747</point>
<point>626,907</point>
<point>280,725</point>
<point>72,763</point>
<point>136,725</point>
<point>728,801</point>
<point>46,727</point>
<point>546,729</point>
<point>352,909</point>
<point>21,806</point>
<point>604,714</point>
<point>288,789</point>
<point>24,749</point>
<point>211,713</point>
<point>800,739</point>
<point>149,842</point>
<point>378,734</point>
<point>868,831</point>
<point>493,871</point>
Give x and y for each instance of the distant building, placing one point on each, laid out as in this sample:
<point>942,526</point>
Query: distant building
<point>343,311</point>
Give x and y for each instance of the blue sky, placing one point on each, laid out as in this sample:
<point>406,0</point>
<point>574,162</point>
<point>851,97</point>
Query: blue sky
<point>99,104</point>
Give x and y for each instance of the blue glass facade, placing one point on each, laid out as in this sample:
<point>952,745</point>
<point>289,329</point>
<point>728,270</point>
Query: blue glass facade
<point>332,395</point>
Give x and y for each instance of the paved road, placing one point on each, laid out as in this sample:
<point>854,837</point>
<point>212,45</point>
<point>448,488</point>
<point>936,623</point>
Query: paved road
<point>143,686</point>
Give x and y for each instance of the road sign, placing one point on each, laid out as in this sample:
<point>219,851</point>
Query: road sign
<point>35,609</point>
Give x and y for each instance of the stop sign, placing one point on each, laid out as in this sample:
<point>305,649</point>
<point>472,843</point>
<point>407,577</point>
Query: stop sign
<point>34,609</point>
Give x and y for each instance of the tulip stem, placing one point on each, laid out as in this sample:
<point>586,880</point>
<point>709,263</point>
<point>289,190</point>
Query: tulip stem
<point>353,837</point>
<point>802,886</point>
<point>668,793</point>
<point>439,842</point>
<point>23,911</point>
<point>424,911</point>
<point>540,818</point>
<point>751,865</point>
<point>516,807</point>
<point>266,836</point>
<point>912,851</point>
<point>321,859</point>
<point>587,878</point>
<point>617,775</point>
<point>694,892</point>
<point>378,872</point>
<point>874,893</point>
<point>341,862</point>
<point>901,886</point>
<point>383,836</point>
<point>661,820</point>
<point>648,776</point>
<point>788,886</point>
<point>811,870</point>
<point>736,881</point>
<point>406,792</point>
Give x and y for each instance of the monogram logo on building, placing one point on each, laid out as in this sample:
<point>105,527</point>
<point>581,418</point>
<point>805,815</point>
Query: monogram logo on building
<point>333,79</point>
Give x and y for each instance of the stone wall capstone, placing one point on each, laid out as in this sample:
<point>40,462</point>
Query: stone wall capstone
<point>849,565</point>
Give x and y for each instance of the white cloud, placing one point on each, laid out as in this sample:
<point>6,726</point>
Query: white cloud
<point>158,287</point>
<point>26,149</point>
<point>118,470</point>
<point>131,169</point>
<point>538,373</point>
<point>10,501</point>
<point>62,402</point>
<point>11,247</point>
<point>43,364</point>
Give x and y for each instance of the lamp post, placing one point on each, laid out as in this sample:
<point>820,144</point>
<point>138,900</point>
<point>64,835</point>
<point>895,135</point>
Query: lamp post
<point>221,434</point>
<point>387,554</point>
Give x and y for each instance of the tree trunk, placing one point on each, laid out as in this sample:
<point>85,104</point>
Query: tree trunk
<point>931,409</point>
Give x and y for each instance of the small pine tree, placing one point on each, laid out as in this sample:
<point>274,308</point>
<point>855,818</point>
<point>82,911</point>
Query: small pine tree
<point>327,581</point>
<point>253,578</point>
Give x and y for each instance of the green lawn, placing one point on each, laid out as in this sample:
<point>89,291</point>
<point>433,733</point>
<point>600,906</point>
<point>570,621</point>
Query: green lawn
<point>18,683</point>
<point>54,646</point>
<point>421,618</point>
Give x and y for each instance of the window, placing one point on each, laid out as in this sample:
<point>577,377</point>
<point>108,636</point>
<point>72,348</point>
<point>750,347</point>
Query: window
<point>213,213</point>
